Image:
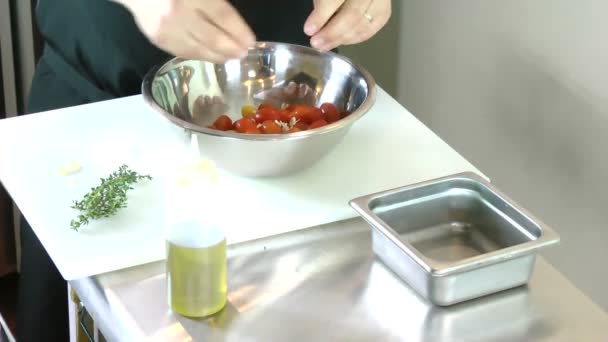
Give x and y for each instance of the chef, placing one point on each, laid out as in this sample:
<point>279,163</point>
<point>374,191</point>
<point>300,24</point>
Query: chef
<point>100,49</point>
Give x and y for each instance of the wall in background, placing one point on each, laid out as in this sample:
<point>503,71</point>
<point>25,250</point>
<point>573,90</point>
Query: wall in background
<point>20,47</point>
<point>520,88</point>
<point>380,55</point>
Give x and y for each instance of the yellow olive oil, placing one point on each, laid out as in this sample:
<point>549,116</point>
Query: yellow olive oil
<point>196,269</point>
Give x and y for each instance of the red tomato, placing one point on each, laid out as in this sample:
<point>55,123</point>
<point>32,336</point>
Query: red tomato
<point>302,126</point>
<point>344,114</point>
<point>248,111</point>
<point>317,124</point>
<point>314,114</point>
<point>253,130</point>
<point>270,127</point>
<point>266,114</point>
<point>300,109</point>
<point>284,115</point>
<point>331,112</point>
<point>294,129</point>
<point>223,123</point>
<point>242,125</point>
<point>308,114</point>
<point>211,127</point>
<point>295,115</point>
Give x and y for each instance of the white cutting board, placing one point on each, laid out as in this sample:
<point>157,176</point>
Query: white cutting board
<point>387,148</point>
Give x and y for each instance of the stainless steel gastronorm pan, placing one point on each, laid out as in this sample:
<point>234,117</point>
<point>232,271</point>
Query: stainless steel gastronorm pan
<point>455,238</point>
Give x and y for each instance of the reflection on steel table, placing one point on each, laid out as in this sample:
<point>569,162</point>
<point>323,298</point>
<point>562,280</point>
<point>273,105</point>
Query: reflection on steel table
<point>324,284</point>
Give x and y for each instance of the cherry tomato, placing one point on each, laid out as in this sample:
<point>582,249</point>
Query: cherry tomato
<point>253,130</point>
<point>284,115</point>
<point>223,123</point>
<point>299,109</point>
<point>266,119</point>
<point>242,125</point>
<point>302,126</point>
<point>270,127</point>
<point>331,112</point>
<point>308,114</point>
<point>248,111</point>
<point>314,114</point>
<point>294,116</point>
<point>317,124</point>
<point>266,114</point>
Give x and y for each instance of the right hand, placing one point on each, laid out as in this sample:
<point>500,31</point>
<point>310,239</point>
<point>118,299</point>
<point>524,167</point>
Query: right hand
<point>210,30</point>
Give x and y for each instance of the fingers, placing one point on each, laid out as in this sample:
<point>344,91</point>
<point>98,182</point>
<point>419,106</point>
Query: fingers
<point>323,11</point>
<point>228,20</point>
<point>190,47</point>
<point>210,30</point>
<point>213,41</point>
<point>356,21</point>
<point>346,19</point>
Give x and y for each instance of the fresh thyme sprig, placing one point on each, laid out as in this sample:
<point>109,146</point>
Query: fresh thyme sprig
<point>107,198</point>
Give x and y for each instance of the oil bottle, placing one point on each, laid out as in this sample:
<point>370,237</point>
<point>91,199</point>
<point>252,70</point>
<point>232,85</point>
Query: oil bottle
<point>195,243</point>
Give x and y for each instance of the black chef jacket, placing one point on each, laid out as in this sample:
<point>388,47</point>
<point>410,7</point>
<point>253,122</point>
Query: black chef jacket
<point>94,50</point>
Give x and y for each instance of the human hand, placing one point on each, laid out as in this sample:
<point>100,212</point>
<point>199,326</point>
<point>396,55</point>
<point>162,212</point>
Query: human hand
<point>333,23</point>
<point>210,30</point>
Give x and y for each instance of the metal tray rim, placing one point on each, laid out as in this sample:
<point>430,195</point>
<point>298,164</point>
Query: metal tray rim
<point>435,268</point>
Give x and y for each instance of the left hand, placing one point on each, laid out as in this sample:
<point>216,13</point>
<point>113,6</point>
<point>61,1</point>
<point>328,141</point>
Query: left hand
<point>333,23</point>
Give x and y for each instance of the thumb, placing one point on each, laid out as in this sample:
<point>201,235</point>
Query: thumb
<point>323,11</point>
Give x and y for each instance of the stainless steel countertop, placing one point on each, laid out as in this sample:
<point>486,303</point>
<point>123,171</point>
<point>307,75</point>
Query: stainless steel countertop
<point>324,284</point>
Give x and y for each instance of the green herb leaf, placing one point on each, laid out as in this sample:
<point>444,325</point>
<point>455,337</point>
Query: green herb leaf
<point>107,198</point>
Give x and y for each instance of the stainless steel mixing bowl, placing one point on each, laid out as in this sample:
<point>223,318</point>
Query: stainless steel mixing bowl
<point>192,94</point>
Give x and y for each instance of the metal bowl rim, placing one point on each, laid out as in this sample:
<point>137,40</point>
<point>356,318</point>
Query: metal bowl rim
<point>342,123</point>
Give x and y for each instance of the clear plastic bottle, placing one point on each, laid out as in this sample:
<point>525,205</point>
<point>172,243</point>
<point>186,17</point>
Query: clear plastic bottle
<point>195,243</point>
<point>196,269</point>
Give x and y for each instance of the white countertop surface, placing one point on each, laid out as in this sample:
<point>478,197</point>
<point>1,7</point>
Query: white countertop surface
<point>387,148</point>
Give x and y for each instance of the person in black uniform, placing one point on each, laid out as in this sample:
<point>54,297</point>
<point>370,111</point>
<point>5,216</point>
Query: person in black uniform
<point>100,49</point>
